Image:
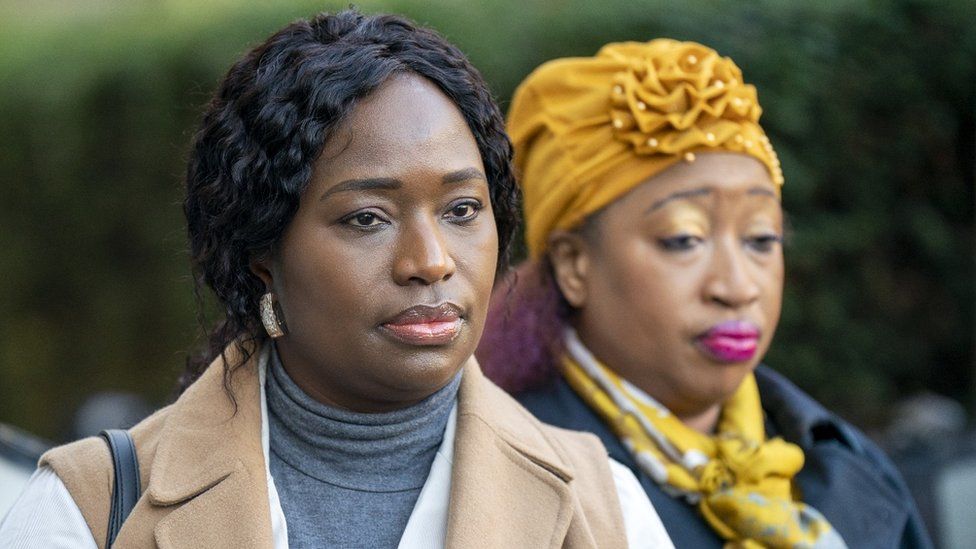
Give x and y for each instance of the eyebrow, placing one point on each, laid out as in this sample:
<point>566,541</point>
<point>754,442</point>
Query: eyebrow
<point>762,191</point>
<point>462,175</point>
<point>755,191</point>
<point>367,184</point>
<point>677,196</point>
<point>390,183</point>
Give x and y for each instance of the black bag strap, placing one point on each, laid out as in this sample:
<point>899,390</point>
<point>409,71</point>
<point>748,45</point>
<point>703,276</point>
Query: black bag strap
<point>127,487</point>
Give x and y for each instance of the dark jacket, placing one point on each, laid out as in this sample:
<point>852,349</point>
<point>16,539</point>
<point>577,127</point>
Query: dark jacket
<point>845,476</point>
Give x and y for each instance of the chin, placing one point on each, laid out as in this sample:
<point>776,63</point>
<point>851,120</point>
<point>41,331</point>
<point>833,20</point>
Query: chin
<point>733,380</point>
<point>429,367</point>
<point>721,384</point>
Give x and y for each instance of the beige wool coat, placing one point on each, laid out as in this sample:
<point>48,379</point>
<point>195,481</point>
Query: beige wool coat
<point>515,482</point>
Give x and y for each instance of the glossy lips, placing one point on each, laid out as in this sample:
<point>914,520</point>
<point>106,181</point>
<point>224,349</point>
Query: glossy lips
<point>423,325</point>
<point>730,342</point>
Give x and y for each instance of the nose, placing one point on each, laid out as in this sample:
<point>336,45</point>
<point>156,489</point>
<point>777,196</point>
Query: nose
<point>422,256</point>
<point>730,282</point>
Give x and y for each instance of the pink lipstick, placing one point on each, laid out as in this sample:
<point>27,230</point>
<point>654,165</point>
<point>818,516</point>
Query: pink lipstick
<point>424,325</point>
<point>730,342</point>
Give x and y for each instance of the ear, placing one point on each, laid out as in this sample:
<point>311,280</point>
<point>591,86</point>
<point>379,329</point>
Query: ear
<point>260,266</point>
<point>570,260</point>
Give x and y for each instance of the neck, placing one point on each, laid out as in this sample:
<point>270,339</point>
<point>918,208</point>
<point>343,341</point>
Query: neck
<point>704,421</point>
<point>702,418</point>
<point>378,452</point>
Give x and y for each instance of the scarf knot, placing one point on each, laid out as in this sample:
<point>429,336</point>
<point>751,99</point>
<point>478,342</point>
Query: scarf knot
<point>740,480</point>
<point>714,477</point>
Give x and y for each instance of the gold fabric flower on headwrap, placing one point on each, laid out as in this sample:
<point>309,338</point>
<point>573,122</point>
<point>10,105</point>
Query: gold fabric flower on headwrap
<point>588,130</point>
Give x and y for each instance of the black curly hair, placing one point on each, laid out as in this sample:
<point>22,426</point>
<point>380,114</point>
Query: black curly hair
<point>267,124</point>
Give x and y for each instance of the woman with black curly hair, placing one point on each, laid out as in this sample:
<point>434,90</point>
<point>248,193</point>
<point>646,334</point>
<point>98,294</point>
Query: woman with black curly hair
<point>349,201</point>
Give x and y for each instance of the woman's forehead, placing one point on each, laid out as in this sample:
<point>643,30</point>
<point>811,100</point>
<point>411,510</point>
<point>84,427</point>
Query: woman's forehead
<point>709,173</point>
<point>733,177</point>
<point>406,121</point>
<point>406,110</point>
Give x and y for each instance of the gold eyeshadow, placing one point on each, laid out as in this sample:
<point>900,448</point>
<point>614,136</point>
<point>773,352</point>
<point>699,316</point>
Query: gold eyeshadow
<point>682,217</point>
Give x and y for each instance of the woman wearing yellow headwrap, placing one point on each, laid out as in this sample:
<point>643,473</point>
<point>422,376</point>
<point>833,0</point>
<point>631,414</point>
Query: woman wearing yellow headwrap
<point>654,286</point>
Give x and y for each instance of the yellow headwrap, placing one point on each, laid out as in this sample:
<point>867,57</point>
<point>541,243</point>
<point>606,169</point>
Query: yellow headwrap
<point>588,130</point>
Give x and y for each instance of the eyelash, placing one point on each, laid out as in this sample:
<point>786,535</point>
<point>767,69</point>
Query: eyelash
<point>475,206</point>
<point>679,243</point>
<point>365,218</point>
<point>358,216</point>
<point>763,243</point>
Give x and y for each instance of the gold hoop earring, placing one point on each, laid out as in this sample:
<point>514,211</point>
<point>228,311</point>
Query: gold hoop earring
<point>271,316</point>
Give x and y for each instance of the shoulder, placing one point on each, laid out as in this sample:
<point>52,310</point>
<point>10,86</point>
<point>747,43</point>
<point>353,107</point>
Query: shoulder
<point>847,477</point>
<point>505,415</point>
<point>574,455</point>
<point>801,419</point>
<point>89,457</point>
<point>84,468</point>
<point>45,515</point>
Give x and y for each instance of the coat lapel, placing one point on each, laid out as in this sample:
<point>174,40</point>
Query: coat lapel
<point>211,464</point>
<point>509,487</point>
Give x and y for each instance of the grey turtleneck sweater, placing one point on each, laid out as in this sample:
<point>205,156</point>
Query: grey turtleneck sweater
<point>348,479</point>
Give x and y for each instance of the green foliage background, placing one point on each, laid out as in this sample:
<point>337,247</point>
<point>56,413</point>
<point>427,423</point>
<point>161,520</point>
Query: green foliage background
<point>871,106</point>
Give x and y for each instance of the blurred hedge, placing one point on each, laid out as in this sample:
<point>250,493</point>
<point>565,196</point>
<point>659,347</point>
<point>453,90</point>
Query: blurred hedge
<point>870,105</point>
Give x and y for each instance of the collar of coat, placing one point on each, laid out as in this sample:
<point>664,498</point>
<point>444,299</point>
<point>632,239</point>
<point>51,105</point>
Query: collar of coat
<point>509,484</point>
<point>797,416</point>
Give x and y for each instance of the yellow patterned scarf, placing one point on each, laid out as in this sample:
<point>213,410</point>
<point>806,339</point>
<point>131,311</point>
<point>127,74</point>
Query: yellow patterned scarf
<point>740,481</point>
